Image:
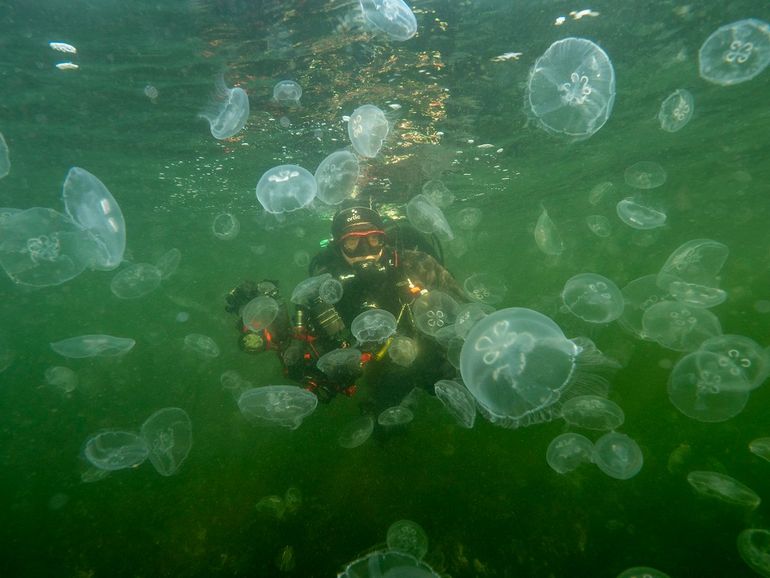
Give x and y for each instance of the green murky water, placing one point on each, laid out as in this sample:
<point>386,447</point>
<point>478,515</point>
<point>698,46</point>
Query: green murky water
<point>488,501</point>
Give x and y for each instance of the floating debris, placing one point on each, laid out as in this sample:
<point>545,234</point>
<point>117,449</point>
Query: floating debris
<point>67,66</point>
<point>581,13</point>
<point>507,56</point>
<point>63,47</point>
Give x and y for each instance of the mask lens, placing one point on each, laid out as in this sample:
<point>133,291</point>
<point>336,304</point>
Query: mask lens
<point>350,244</point>
<point>362,244</point>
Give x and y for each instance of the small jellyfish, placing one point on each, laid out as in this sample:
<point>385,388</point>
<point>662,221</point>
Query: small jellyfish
<point>679,326</point>
<point>723,487</point>
<point>168,435</point>
<point>309,289</point>
<point>62,378</point>
<point>287,92</point>
<point>395,416</point>
<point>227,112</point>
<point>5,162</point>
<point>115,450</point>
<point>225,226</point>
<point>457,400</point>
<point>336,177</point>
<point>202,345</point>
<point>356,432</point>
<point>168,263</point>
<point>760,447</point>
<point>152,93</point>
<point>403,350</point>
<point>301,259</point>
<point>373,326</point>
<point>600,192</point>
<point>593,412</point>
<point>367,129</point>
<point>393,17</point>
<point>488,288</point>
<point>469,218</point>
<point>434,311</point>
<point>330,291</point>
<point>754,548</point>
<point>93,346</point>
<point>438,192</point>
<point>618,456</point>
<point>599,225</point>
<point>428,218</point>
<point>639,216</point>
<point>259,313</point>
<point>547,236</point>
<point>387,564</point>
<point>642,572</point>
<point>286,188</point>
<point>136,281</point>
<point>645,175</point>
<point>697,261</point>
<point>341,365</point>
<point>567,451</point>
<point>407,537</point>
<point>735,52</point>
<point>676,111</point>
<point>639,295</point>
<point>593,298</point>
<point>279,405</point>
<point>468,315</point>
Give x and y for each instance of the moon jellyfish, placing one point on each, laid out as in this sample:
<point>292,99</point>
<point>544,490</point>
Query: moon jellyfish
<point>5,161</point>
<point>227,112</point>
<point>639,295</point>
<point>393,17</point>
<point>567,451</point>
<point>367,129</point>
<point>62,378</point>
<point>135,281</point>
<point>91,205</point>
<point>468,218</point>
<point>723,487</point>
<point>735,52</point>
<point>308,290</point>
<point>341,365</point>
<point>301,258</point>
<point>93,346</point>
<point>201,345</point>
<point>642,572</point>
<point>438,192</point>
<point>168,435</point>
<point>356,432</point>
<point>678,326</point>
<point>520,367</point>
<point>407,537</point>
<point>468,314</point>
<point>169,263</point>
<point>600,192</point>
<point>571,88</point>
<point>697,262</point>
<point>336,177</point>
<point>387,564</point>
<point>330,291</point>
<point>742,356</point>
<point>705,390</point>
<point>373,326</point>
<point>433,311</point>
<point>486,288</point>
<point>115,450</point>
<point>225,226</point>
<point>286,188</point>
<point>593,298</point>
<point>260,312</point>
<point>458,401</point>
<point>277,405</point>
<point>618,456</point>
<point>395,415</point>
<point>287,92</point>
<point>428,218</point>
<point>593,412</point>
<point>41,247</point>
<point>403,350</point>
<point>676,111</point>
<point>599,225</point>
<point>547,236</point>
<point>645,175</point>
<point>639,216</point>
<point>754,548</point>
<point>697,295</point>
<point>760,447</point>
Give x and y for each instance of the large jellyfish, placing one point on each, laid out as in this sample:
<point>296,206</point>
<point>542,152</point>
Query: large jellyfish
<point>735,52</point>
<point>286,188</point>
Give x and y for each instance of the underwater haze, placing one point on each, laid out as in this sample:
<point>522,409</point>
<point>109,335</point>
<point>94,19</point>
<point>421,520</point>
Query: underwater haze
<point>556,160</point>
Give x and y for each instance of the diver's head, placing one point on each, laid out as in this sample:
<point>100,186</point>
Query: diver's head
<point>359,234</point>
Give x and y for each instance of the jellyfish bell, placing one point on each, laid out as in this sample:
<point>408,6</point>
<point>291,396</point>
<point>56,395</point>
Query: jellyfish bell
<point>227,111</point>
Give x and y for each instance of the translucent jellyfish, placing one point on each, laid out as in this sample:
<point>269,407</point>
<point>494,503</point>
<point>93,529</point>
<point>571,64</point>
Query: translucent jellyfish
<point>678,326</point>
<point>5,161</point>
<point>356,432</point>
<point>201,345</point>
<point>468,314</point>
<point>7,354</point>
<point>760,447</point>
<point>341,365</point>
<point>723,487</point>
<point>41,247</point>
<point>367,129</point>
<point>227,112</point>
<point>697,262</point>
<point>599,225</point>
<point>301,259</point>
<point>393,17</point>
<point>136,281</point>
<point>438,193</point>
<point>639,295</point>
<point>387,564</point>
<point>407,537</point>
<point>287,92</point>
<point>754,548</point>
<point>618,456</point>
<point>487,288</point>
<point>703,389</point>
<point>93,346</point>
<point>433,311</point>
<point>593,412</point>
<point>225,226</point>
<point>639,216</point>
<point>469,218</point>
<point>697,295</point>
<point>168,435</point>
<point>735,52</point>
<point>115,450</point>
<point>403,350</point>
<point>676,111</point>
<point>336,177</point>
<point>428,218</point>
<point>169,263</point>
<point>277,405</point>
<point>90,205</point>
<point>645,175</point>
<point>309,289</point>
<point>740,355</point>
<point>373,326</point>
<point>458,401</point>
<point>396,415</point>
<point>330,291</point>
<point>600,192</point>
<point>62,378</point>
<point>642,572</point>
<point>593,298</point>
<point>286,188</point>
<point>260,312</point>
<point>547,236</point>
<point>567,451</point>
<point>520,367</point>
<point>571,88</point>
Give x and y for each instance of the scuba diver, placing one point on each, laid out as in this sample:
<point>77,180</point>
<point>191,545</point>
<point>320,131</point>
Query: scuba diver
<point>379,266</point>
